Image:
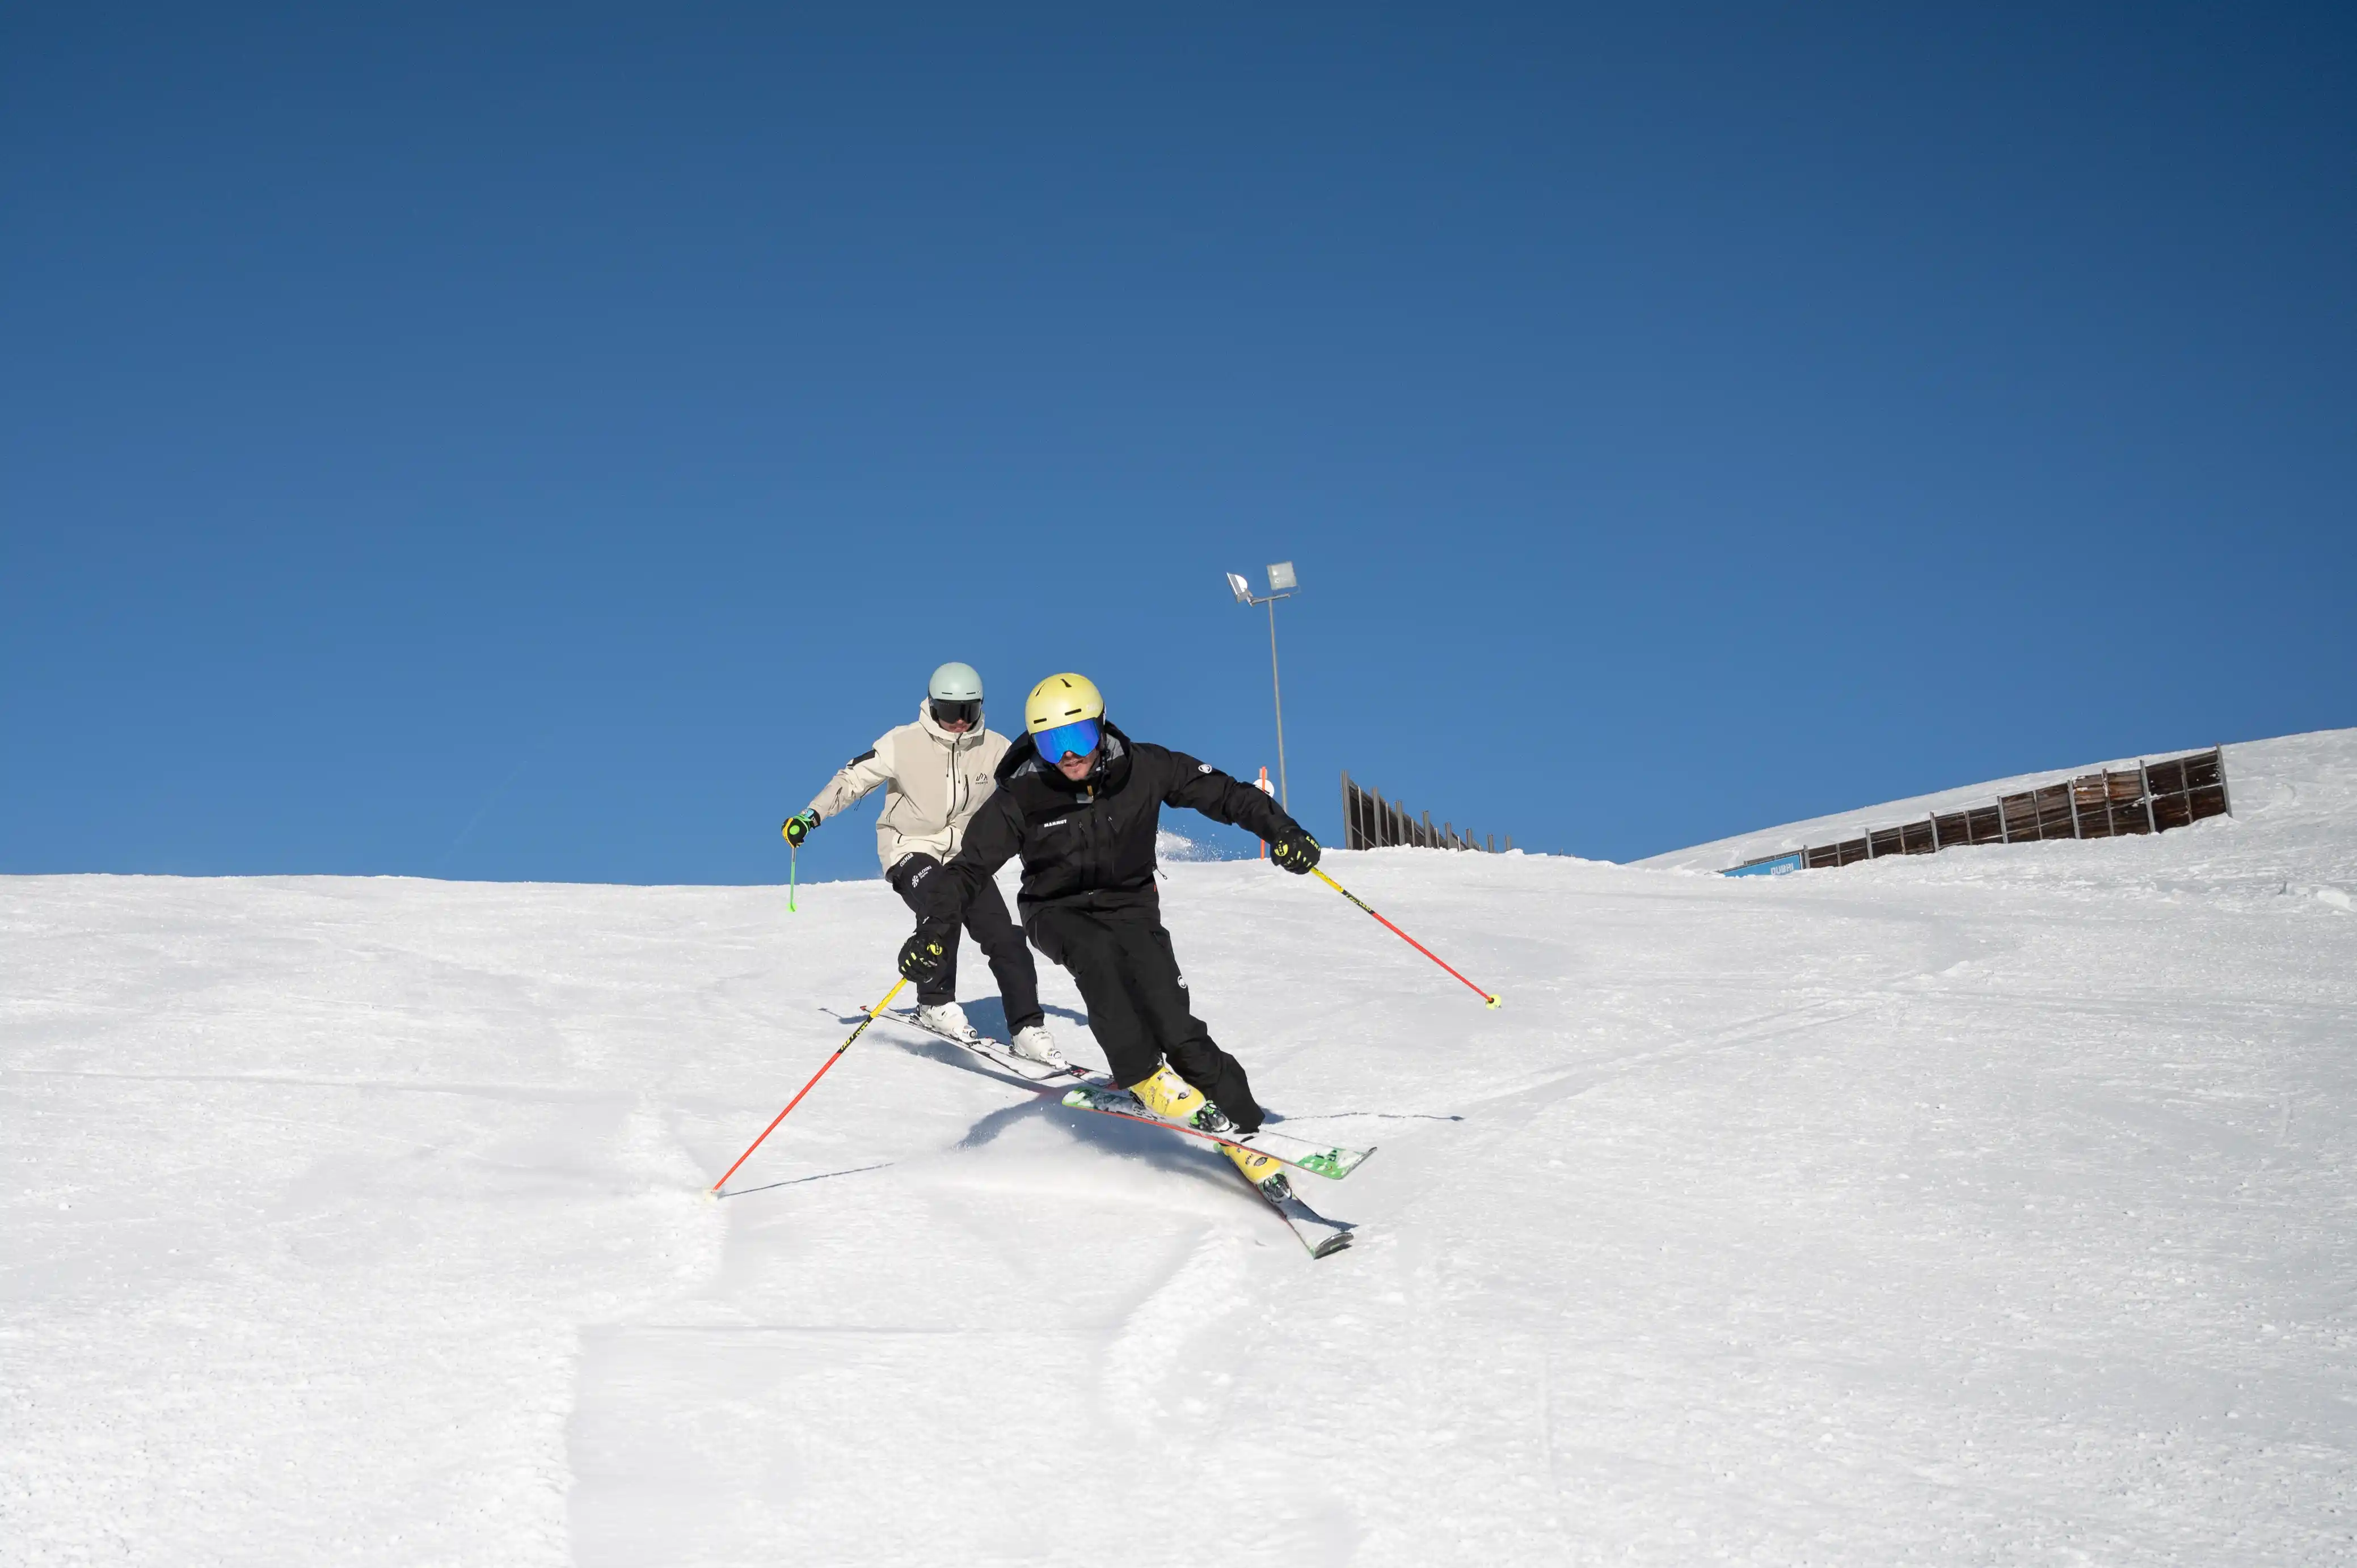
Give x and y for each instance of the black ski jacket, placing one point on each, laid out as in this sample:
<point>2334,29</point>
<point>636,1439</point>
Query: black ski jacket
<point>1090,845</point>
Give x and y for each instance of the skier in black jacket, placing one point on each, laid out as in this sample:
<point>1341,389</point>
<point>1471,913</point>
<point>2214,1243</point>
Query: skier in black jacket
<point>1080,805</point>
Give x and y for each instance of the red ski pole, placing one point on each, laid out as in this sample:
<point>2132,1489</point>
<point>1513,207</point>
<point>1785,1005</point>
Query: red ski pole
<point>821,1073</point>
<point>1487,999</point>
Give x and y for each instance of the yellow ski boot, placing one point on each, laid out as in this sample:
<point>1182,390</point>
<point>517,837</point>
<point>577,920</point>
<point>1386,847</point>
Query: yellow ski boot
<point>1264,1171</point>
<point>1169,1096</point>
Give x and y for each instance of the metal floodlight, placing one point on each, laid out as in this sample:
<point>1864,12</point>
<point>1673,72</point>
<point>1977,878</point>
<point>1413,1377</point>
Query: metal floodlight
<point>1281,586</point>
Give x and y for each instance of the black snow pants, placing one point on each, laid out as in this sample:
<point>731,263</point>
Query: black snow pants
<point>1138,1008</point>
<point>994,929</point>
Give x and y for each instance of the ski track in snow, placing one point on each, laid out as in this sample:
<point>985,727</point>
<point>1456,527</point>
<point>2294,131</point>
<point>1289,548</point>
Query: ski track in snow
<point>1987,1208</point>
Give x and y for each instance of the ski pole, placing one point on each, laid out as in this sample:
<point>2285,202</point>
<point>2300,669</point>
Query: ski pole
<point>821,1073</point>
<point>791,856</point>
<point>1487,999</point>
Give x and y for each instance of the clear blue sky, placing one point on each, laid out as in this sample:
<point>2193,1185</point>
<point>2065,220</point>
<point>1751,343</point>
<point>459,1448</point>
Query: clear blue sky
<point>544,443</point>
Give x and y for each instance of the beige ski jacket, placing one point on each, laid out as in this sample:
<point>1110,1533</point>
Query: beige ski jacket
<point>933,783</point>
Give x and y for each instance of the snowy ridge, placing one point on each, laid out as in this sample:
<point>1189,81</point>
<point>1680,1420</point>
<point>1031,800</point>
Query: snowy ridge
<point>1991,1206</point>
<point>1718,854</point>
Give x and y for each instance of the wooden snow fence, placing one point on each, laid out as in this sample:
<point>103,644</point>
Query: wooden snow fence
<point>1370,821</point>
<point>2151,798</point>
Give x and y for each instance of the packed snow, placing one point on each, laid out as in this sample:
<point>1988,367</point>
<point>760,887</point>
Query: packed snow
<point>1991,1206</point>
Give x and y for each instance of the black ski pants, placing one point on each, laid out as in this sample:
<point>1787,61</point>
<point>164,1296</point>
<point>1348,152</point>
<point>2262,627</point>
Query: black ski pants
<point>1138,1007</point>
<point>994,930</point>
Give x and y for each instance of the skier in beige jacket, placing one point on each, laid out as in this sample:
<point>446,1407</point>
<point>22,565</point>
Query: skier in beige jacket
<point>936,773</point>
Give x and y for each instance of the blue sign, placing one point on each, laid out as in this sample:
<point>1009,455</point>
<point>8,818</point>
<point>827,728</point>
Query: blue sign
<point>1776,868</point>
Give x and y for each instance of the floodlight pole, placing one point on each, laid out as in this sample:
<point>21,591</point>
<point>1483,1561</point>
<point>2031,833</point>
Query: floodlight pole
<point>1244,596</point>
<point>1278,689</point>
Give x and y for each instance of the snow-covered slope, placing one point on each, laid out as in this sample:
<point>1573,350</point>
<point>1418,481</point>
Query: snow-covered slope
<point>1991,1206</point>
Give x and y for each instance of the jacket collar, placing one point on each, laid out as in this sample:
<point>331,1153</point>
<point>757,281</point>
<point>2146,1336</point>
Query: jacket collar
<point>943,738</point>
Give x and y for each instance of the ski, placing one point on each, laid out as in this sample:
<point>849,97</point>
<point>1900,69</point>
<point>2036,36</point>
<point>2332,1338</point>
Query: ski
<point>1321,1236</point>
<point>997,1052</point>
<point>1083,1091</point>
<point>1332,1161</point>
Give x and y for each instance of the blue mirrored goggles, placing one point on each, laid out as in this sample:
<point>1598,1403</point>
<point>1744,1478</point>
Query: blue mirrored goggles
<point>1075,739</point>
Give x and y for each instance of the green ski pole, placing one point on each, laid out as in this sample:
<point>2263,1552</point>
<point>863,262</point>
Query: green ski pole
<point>793,861</point>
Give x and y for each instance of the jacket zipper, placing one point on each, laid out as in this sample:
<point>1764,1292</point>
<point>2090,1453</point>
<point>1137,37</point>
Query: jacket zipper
<point>950,827</point>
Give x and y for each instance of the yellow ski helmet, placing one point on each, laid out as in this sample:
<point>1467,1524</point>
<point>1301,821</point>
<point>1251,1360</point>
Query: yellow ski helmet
<point>1061,700</point>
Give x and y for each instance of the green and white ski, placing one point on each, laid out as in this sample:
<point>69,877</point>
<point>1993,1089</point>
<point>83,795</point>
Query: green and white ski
<point>1084,1090</point>
<point>1323,1235</point>
<point>1319,1235</point>
<point>1332,1161</point>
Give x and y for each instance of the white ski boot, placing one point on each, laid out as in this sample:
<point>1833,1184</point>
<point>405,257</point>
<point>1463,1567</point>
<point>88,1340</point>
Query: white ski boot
<point>1033,1044</point>
<point>949,1019</point>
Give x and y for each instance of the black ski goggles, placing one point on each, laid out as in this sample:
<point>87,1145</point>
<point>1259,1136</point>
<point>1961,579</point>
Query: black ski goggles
<point>968,711</point>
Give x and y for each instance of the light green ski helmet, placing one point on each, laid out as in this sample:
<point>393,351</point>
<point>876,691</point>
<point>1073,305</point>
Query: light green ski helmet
<point>955,682</point>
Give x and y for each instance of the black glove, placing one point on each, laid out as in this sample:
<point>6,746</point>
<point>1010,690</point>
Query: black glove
<point>1296,851</point>
<point>799,828</point>
<point>925,954</point>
